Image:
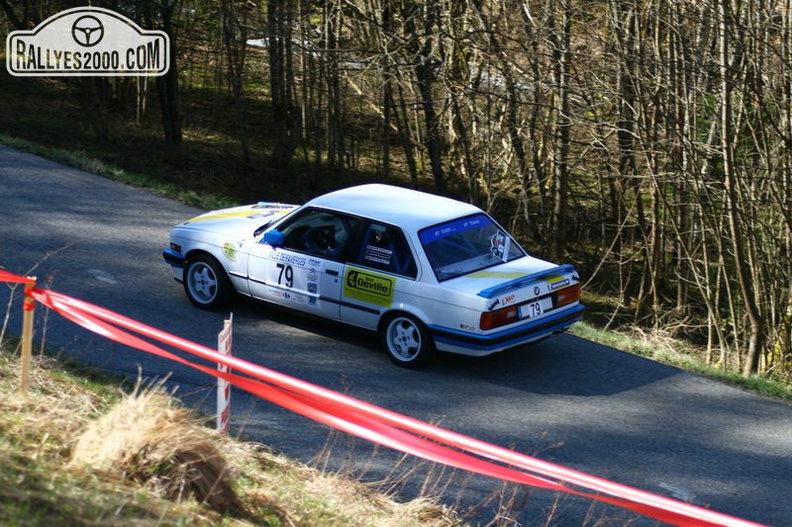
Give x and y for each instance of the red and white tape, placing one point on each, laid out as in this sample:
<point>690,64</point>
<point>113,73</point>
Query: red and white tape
<point>378,424</point>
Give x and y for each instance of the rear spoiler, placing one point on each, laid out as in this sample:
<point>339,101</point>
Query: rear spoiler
<point>525,280</point>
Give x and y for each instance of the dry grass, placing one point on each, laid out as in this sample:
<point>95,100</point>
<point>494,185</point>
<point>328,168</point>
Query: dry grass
<point>74,452</point>
<point>146,438</point>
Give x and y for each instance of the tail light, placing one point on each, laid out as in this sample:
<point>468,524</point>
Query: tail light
<point>507,315</point>
<point>499,317</point>
<point>568,295</point>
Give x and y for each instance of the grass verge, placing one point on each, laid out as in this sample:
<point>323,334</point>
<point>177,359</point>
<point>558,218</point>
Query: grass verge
<point>666,350</point>
<point>78,451</point>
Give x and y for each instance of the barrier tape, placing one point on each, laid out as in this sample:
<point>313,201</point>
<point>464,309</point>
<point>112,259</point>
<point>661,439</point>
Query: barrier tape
<point>377,424</point>
<point>11,278</point>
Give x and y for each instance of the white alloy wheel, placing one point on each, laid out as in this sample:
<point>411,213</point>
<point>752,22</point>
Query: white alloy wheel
<point>206,283</point>
<point>407,341</point>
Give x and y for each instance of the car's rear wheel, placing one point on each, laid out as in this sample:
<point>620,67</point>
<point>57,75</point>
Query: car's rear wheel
<point>206,283</point>
<point>407,340</point>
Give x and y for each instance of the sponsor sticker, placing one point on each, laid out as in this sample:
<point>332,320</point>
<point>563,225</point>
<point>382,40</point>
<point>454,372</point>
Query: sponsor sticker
<point>229,251</point>
<point>508,299</point>
<point>430,235</point>
<point>556,282</point>
<point>372,288</point>
<point>500,243</point>
<point>291,296</point>
<point>290,258</point>
<point>378,255</point>
<point>87,41</point>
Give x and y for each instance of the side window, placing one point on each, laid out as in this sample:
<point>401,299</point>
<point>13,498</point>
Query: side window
<point>319,233</point>
<point>383,247</point>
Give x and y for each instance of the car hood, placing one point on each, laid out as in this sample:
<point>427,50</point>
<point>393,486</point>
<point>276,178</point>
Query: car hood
<point>518,280</point>
<point>238,220</point>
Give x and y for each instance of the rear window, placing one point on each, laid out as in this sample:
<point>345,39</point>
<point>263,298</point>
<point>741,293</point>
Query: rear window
<point>467,245</point>
<point>383,247</point>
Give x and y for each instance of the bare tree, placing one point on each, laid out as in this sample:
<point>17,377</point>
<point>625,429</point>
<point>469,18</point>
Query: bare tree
<point>234,27</point>
<point>285,113</point>
<point>421,22</point>
<point>165,14</point>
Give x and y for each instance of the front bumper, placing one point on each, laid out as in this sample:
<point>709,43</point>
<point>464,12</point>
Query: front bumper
<point>176,261</point>
<point>174,258</point>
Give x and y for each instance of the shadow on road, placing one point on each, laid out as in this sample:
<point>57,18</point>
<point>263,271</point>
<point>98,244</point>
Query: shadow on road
<point>560,365</point>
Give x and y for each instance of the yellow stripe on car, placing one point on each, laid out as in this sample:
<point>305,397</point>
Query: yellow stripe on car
<point>220,215</point>
<point>497,274</point>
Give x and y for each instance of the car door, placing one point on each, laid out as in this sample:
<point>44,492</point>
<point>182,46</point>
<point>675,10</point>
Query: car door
<point>303,269</point>
<point>376,264</point>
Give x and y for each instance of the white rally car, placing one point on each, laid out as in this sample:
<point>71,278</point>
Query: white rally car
<point>427,273</point>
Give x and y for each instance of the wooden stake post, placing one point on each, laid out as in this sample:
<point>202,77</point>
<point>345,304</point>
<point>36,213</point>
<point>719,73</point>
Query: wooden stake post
<point>28,306</point>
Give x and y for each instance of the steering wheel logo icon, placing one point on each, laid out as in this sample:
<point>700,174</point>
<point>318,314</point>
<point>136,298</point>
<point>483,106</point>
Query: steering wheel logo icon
<point>87,31</point>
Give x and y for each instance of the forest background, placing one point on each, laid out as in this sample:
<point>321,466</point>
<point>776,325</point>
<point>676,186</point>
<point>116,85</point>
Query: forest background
<point>647,141</point>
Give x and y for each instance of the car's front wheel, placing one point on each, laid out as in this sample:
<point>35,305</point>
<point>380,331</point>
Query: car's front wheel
<point>407,340</point>
<point>206,283</point>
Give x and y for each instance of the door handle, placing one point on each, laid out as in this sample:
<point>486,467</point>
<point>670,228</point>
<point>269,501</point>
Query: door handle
<point>331,272</point>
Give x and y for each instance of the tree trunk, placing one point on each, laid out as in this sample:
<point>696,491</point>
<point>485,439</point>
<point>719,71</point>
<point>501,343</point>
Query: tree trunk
<point>728,139</point>
<point>285,115</point>
<point>562,57</point>
<point>424,65</point>
<point>168,84</point>
<point>234,30</point>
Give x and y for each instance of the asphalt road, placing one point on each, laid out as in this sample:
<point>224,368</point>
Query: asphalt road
<point>565,400</point>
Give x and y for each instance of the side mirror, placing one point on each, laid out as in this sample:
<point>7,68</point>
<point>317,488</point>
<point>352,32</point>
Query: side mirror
<point>274,238</point>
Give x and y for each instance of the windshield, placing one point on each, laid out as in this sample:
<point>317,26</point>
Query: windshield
<point>467,245</point>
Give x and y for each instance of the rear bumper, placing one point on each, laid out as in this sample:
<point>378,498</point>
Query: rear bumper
<point>474,344</point>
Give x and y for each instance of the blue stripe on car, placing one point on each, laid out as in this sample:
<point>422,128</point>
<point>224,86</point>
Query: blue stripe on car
<point>509,337</point>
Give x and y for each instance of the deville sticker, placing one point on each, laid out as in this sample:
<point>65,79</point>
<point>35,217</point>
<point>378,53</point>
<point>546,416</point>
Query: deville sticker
<point>369,287</point>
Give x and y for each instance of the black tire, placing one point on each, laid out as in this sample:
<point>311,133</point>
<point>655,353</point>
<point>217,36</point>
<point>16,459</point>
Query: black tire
<point>206,283</point>
<point>407,340</point>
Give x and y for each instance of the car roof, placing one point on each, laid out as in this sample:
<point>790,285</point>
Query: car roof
<point>410,209</point>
